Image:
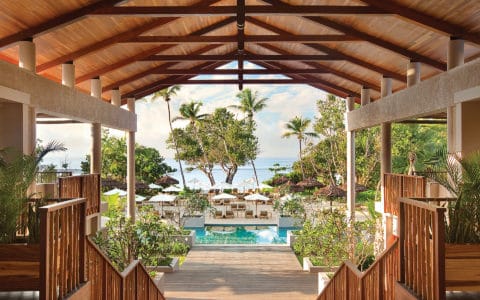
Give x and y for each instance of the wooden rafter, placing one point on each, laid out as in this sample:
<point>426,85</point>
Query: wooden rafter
<point>198,71</point>
<point>417,17</point>
<point>349,30</point>
<point>131,33</point>
<point>56,22</point>
<point>236,81</point>
<point>152,51</point>
<point>240,40</point>
<point>250,57</point>
<point>250,10</point>
<point>328,50</point>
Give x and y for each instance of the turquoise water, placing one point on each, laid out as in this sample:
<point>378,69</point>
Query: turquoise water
<point>244,234</point>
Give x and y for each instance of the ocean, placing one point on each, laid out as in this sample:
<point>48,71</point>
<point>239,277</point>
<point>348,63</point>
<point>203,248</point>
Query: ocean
<point>244,172</point>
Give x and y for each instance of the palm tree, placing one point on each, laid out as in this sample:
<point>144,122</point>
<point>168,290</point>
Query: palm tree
<point>166,94</point>
<point>250,104</point>
<point>191,112</point>
<point>298,127</point>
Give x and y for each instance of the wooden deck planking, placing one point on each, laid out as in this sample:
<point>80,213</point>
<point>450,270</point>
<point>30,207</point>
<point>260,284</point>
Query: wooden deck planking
<point>241,272</point>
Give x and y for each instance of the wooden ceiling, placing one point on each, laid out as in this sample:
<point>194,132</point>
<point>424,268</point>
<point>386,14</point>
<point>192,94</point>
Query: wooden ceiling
<point>141,46</point>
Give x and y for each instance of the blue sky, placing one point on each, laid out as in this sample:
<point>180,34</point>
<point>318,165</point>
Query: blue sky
<point>284,103</point>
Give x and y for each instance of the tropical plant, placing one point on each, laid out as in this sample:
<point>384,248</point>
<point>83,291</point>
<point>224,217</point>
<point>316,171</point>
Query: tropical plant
<point>291,208</point>
<point>196,203</point>
<point>250,104</point>
<point>461,177</point>
<point>167,94</point>
<point>298,127</point>
<point>17,172</point>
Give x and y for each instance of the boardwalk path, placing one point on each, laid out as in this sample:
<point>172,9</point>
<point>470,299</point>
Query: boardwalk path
<point>241,272</point>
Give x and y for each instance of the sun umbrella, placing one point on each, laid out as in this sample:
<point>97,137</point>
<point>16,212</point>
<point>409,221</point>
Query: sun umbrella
<point>154,186</point>
<point>166,180</point>
<point>264,186</point>
<point>115,191</point>
<point>172,189</point>
<point>222,186</point>
<point>163,198</point>
<point>255,197</point>
<point>224,196</point>
<point>139,198</point>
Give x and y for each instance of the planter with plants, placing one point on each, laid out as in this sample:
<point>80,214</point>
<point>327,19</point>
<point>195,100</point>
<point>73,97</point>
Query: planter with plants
<point>462,222</point>
<point>195,207</point>
<point>291,213</point>
<point>19,219</point>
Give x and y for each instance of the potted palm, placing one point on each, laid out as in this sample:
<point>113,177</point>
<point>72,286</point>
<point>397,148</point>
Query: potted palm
<point>462,223</point>
<point>19,262</point>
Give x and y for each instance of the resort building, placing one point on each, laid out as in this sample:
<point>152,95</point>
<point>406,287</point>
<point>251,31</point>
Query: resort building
<point>74,61</point>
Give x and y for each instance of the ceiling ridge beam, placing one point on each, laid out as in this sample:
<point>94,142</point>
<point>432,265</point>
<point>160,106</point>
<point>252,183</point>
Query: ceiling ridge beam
<point>328,50</point>
<point>58,21</point>
<point>250,10</point>
<point>150,52</point>
<point>223,57</point>
<point>412,55</point>
<point>412,15</point>
<point>110,41</point>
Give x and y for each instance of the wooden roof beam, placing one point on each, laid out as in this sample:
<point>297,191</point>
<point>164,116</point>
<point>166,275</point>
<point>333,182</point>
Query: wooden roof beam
<point>347,29</point>
<point>240,40</point>
<point>425,20</point>
<point>130,33</point>
<point>250,10</point>
<point>152,51</point>
<point>236,81</point>
<point>56,22</point>
<point>247,39</point>
<point>325,49</point>
<point>249,57</point>
<point>197,71</point>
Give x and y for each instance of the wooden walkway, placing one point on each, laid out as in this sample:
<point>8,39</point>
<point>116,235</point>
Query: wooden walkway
<point>241,272</point>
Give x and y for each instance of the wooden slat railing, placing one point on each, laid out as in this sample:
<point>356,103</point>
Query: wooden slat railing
<point>51,176</point>
<point>62,248</point>
<point>82,186</point>
<point>107,283</point>
<point>397,186</point>
<point>376,283</point>
<point>422,248</point>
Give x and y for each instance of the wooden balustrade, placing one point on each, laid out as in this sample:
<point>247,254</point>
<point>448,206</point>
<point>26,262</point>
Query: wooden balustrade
<point>108,283</point>
<point>62,248</point>
<point>397,186</point>
<point>82,186</point>
<point>377,282</point>
<point>51,176</point>
<point>422,246</point>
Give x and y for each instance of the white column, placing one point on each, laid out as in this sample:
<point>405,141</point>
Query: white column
<point>96,130</point>
<point>68,74</point>
<point>116,97</point>
<point>413,73</point>
<point>350,164</point>
<point>365,95</point>
<point>131,166</point>
<point>27,60</point>
<point>455,58</point>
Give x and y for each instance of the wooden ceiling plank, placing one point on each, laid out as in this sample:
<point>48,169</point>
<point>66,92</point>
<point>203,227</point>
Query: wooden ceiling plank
<point>249,57</point>
<point>131,33</point>
<point>367,37</point>
<point>426,20</point>
<point>250,10</point>
<point>328,50</point>
<point>56,22</point>
<point>150,52</point>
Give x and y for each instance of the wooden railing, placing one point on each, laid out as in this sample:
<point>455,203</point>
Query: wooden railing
<point>82,186</point>
<point>422,246</point>
<point>377,282</point>
<point>108,283</point>
<point>51,176</point>
<point>397,186</point>
<point>62,248</point>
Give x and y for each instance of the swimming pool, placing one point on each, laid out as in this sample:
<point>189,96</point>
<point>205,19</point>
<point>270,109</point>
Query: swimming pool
<point>241,234</point>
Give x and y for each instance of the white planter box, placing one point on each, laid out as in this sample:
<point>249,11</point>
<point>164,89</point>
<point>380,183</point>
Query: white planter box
<point>194,221</point>
<point>174,266</point>
<point>186,239</point>
<point>289,222</point>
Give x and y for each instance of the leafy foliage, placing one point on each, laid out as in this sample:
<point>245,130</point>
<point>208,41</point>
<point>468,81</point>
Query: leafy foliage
<point>292,208</point>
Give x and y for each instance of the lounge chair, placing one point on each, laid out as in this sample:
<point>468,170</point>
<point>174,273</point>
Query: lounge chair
<point>249,214</point>
<point>217,202</point>
<point>169,214</point>
<point>229,214</point>
<point>263,214</point>
<point>241,206</point>
<point>218,214</point>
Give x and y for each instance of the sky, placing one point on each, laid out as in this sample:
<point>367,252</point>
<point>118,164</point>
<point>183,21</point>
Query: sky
<point>284,102</point>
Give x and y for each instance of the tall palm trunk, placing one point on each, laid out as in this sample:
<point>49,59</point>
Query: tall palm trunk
<point>175,143</point>
<point>301,159</point>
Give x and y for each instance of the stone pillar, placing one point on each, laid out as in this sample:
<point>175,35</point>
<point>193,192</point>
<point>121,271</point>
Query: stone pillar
<point>350,165</point>
<point>27,60</point>
<point>365,95</point>
<point>455,58</point>
<point>68,74</point>
<point>413,73</point>
<point>131,166</point>
<point>116,98</point>
<point>96,129</point>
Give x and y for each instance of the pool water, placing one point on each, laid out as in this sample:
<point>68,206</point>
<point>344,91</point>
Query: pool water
<point>241,234</point>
